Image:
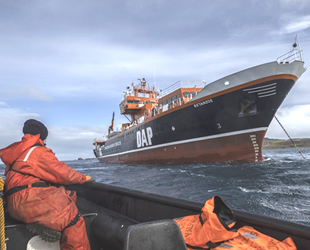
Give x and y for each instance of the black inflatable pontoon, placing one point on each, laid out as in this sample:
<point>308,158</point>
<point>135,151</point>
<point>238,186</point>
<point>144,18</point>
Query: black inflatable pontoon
<point>123,219</point>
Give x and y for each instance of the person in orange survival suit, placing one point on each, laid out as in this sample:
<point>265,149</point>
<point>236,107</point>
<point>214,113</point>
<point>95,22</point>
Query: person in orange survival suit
<point>31,168</point>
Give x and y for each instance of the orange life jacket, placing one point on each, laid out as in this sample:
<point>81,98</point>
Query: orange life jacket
<point>214,224</point>
<point>212,228</point>
<point>249,239</point>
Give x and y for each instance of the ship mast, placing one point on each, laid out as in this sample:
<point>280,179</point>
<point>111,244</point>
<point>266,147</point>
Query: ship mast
<point>112,124</point>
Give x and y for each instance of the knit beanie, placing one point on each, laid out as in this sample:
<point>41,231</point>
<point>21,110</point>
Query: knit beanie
<point>35,127</point>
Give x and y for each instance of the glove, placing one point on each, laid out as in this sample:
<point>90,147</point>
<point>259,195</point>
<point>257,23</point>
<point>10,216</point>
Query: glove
<point>89,179</point>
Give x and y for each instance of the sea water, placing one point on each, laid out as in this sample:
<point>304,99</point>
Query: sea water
<point>278,187</point>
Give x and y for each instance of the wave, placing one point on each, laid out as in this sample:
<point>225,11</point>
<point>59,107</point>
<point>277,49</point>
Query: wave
<point>246,190</point>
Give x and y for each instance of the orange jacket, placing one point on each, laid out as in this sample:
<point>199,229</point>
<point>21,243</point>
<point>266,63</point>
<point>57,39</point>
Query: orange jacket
<point>40,165</point>
<point>250,239</point>
<point>212,229</point>
<point>51,206</point>
<point>212,225</point>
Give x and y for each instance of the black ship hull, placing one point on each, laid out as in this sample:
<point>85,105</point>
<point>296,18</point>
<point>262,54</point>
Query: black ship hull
<point>224,125</point>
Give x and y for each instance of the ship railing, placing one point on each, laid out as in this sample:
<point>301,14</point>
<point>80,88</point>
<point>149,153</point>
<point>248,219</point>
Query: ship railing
<point>291,56</point>
<point>114,133</point>
<point>130,126</point>
<point>158,110</point>
<point>183,84</point>
<point>179,102</point>
<point>146,87</point>
<point>295,54</point>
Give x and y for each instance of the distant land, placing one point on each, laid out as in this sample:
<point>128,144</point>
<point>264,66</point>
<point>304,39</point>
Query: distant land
<point>280,143</point>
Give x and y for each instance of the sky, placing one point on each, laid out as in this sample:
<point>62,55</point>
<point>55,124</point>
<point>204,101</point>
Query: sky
<point>67,62</point>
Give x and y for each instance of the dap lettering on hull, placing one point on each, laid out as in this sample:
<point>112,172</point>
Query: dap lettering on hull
<point>144,137</point>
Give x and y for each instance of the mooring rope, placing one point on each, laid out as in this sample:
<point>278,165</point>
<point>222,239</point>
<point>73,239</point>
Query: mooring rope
<point>2,232</point>
<point>289,137</point>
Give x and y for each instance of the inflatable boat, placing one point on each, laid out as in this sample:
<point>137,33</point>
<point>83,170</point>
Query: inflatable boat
<point>124,219</point>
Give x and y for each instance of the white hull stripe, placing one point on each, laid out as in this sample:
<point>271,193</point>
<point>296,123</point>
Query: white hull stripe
<point>264,91</point>
<point>260,96</point>
<point>255,91</point>
<point>189,140</point>
<point>261,87</point>
<point>29,152</point>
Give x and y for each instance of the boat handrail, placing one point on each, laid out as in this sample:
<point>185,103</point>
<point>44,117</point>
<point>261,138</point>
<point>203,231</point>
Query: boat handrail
<point>180,101</point>
<point>291,56</point>
<point>146,87</point>
<point>295,54</point>
<point>183,84</point>
<point>114,133</point>
<point>158,110</point>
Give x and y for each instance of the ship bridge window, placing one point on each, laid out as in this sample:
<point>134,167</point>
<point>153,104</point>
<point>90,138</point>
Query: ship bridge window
<point>174,98</point>
<point>193,94</point>
<point>186,94</point>
<point>129,101</point>
<point>136,102</point>
<point>160,104</point>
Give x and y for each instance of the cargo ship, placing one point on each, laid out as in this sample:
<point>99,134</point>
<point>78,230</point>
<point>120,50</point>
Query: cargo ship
<point>192,121</point>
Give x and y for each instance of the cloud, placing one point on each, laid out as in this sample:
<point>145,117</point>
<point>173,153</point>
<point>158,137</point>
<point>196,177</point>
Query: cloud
<point>24,91</point>
<point>295,26</point>
<point>68,142</point>
<point>3,104</point>
<point>12,121</point>
<point>35,92</point>
<point>295,120</point>
<point>73,142</point>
